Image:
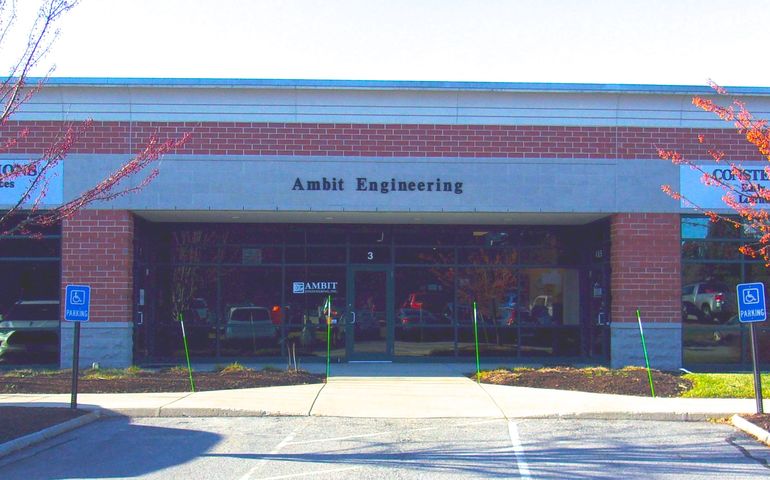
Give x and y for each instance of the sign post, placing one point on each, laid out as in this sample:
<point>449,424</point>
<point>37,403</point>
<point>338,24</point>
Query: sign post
<point>752,309</point>
<point>77,305</point>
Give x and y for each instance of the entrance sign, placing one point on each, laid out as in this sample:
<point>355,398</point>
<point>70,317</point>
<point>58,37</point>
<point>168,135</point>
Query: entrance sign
<point>77,303</point>
<point>314,287</point>
<point>751,302</point>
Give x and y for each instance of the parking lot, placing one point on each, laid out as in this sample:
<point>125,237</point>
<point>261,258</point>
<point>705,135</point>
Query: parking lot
<point>328,447</point>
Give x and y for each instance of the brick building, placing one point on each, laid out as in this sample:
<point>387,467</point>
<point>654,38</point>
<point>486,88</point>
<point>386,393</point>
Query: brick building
<point>401,202</point>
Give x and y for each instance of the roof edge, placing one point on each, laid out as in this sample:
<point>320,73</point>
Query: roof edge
<point>395,85</point>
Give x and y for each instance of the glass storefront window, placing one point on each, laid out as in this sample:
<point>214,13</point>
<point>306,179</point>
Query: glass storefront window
<point>251,255</point>
<point>250,306</point>
<point>425,255</point>
<point>703,228</point>
<point>192,246</point>
<point>326,255</point>
<point>307,291</point>
<point>489,256</point>
<point>28,281</point>
<point>370,255</point>
<point>712,267</point>
<point>266,290</point>
<point>23,247</point>
<point>709,250</point>
<point>30,274</point>
<point>424,311</point>
<point>552,296</point>
<point>189,293</point>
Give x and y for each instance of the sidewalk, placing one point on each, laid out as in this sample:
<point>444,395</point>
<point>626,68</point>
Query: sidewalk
<point>396,391</point>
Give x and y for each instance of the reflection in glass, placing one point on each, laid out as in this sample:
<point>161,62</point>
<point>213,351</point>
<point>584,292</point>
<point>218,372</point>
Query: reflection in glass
<point>189,293</point>
<point>700,227</point>
<point>708,250</point>
<point>238,284</point>
<point>367,320</point>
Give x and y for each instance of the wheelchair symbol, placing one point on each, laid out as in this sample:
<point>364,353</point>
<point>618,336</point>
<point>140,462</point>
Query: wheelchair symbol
<point>77,297</point>
<point>751,296</point>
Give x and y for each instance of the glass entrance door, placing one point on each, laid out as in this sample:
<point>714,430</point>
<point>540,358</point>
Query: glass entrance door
<point>369,319</point>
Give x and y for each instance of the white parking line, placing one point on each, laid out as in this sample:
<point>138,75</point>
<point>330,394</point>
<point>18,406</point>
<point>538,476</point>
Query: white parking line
<point>278,448</point>
<point>518,450</point>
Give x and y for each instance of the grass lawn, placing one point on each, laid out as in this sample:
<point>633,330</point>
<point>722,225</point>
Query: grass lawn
<point>725,385</point>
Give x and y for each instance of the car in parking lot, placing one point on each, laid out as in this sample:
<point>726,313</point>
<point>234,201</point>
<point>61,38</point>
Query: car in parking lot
<point>29,330</point>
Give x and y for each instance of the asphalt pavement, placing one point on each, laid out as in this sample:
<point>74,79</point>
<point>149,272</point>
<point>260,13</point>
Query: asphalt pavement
<point>382,448</point>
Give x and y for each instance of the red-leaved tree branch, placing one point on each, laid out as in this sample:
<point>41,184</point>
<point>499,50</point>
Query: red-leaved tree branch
<point>35,174</point>
<point>747,197</point>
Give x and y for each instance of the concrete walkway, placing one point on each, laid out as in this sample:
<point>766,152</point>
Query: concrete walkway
<point>397,391</point>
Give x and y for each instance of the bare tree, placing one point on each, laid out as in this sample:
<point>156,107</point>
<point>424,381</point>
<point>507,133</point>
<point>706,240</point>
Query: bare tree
<point>34,175</point>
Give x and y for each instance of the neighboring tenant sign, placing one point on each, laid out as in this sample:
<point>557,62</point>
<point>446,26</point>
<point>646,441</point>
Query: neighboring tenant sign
<point>12,189</point>
<point>710,197</point>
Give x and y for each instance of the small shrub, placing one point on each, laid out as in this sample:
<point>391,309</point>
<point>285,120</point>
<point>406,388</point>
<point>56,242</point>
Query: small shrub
<point>178,370</point>
<point>28,372</point>
<point>111,373</point>
<point>234,367</point>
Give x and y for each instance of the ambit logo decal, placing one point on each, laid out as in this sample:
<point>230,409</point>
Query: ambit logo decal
<point>314,287</point>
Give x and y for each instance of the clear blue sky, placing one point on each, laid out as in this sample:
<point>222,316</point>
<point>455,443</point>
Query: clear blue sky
<point>604,41</point>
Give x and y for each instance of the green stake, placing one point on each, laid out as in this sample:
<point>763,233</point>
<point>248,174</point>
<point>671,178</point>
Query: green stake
<point>328,336</point>
<point>476,337</point>
<point>187,354</point>
<point>646,358</point>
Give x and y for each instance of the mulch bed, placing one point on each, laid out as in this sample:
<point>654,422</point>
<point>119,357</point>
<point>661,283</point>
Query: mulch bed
<point>150,382</point>
<point>19,421</point>
<point>627,381</point>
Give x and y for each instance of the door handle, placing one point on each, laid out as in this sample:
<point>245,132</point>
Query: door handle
<point>353,318</point>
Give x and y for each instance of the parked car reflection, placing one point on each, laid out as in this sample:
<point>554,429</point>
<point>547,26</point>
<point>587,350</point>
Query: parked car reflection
<point>29,331</point>
<point>250,323</point>
<point>707,301</point>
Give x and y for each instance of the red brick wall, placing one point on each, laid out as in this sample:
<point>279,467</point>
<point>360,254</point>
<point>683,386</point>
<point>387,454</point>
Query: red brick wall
<point>97,250</point>
<point>646,266</point>
<point>232,138</point>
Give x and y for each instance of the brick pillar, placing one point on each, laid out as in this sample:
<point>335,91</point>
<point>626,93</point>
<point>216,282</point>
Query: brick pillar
<point>97,250</point>
<point>646,274</point>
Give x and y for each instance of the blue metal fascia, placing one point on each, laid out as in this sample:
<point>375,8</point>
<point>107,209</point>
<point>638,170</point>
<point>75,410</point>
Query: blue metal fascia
<point>396,85</point>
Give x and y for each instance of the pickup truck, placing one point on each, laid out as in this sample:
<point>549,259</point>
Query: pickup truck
<point>709,301</point>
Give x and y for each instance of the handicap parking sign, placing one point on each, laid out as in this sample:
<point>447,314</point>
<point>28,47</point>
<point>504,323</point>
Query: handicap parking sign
<point>751,302</point>
<point>77,303</point>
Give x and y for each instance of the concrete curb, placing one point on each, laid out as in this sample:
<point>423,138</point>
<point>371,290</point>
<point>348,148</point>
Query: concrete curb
<point>642,416</point>
<point>171,412</point>
<point>50,432</point>
<point>221,412</point>
<point>742,424</point>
